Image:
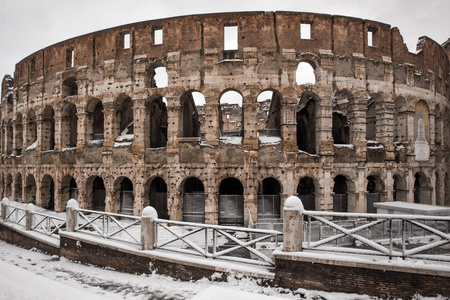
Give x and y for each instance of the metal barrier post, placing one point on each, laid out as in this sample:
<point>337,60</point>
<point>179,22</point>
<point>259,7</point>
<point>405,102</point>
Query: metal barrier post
<point>5,202</point>
<point>292,225</point>
<point>148,228</point>
<point>29,216</point>
<point>71,215</point>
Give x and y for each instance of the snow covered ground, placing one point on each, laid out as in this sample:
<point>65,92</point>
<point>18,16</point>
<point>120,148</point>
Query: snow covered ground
<point>28,274</point>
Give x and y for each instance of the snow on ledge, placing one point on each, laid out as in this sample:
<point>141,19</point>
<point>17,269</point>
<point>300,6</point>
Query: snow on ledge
<point>269,140</point>
<point>32,146</point>
<point>351,146</point>
<point>123,144</point>
<point>231,140</point>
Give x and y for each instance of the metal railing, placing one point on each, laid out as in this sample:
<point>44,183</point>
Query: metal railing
<point>213,241</point>
<point>47,224</point>
<point>15,214</point>
<point>109,225</point>
<point>405,236</point>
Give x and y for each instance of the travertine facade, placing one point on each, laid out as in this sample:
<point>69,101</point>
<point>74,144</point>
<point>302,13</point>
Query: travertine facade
<point>91,118</point>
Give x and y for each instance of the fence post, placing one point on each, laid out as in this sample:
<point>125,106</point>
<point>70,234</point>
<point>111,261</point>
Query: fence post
<point>148,228</point>
<point>29,216</point>
<point>5,201</point>
<point>71,215</point>
<point>292,224</point>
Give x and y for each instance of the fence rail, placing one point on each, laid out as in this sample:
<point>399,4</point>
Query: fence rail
<point>47,224</point>
<point>405,236</point>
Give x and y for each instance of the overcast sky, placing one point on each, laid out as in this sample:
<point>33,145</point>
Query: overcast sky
<point>30,25</point>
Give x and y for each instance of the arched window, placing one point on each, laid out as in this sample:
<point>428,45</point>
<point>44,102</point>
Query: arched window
<point>341,134</point>
<point>190,103</point>
<point>69,126</point>
<point>98,122</point>
<point>69,87</point>
<point>48,192</point>
<point>157,75</point>
<point>30,189</point>
<point>156,196</point>
<point>31,129</point>
<point>422,189</point>
<point>19,134</point>
<point>306,192</point>
<point>156,122</point>
<point>96,193</point>
<point>269,113</point>
<point>48,129</point>
<point>124,195</point>
<point>305,74</point>
<point>124,119</point>
<point>340,197</point>
<point>231,120</point>
<point>231,202</point>
<point>193,200</point>
<point>18,188</point>
<point>9,137</point>
<point>306,126</point>
<point>269,200</point>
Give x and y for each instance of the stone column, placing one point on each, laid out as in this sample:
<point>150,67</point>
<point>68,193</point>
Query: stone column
<point>29,216</point>
<point>71,215</point>
<point>109,120</point>
<point>292,225</point>
<point>58,129</point>
<point>139,117</point>
<point>148,228</point>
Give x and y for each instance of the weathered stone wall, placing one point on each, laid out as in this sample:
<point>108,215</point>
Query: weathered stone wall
<point>349,74</point>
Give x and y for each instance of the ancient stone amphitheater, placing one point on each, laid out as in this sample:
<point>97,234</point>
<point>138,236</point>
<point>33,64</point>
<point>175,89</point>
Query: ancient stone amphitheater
<point>213,118</point>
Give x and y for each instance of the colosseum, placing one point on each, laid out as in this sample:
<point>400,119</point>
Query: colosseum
<point>218,118</point>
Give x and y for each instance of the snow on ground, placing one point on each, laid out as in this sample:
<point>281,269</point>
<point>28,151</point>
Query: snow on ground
<point>28,274</point>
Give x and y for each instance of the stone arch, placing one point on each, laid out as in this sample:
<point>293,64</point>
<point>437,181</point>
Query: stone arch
<point>269,113</point>
<point>9,186</point>
<point>438,134</point>
<point>31,130</point>
<point>306,72</point>
<point>68,189</point>
<point>156,122</point>
<point>9,137</point>
<point>17,196</point>
<point>400,120</point>
<point>190,119</point>
<point>30,189</point>
<point>96,193</point>
<point>422,188</point>
<point>124,115</point>
<point>231,113</point>
<point>155,195</point>
<point>343,194</point>
<point>307,111</point>
<point>231,202</point>
<point>375,192</point>
<point>69,87</point>
<point>400,189</point>
<point>341,127</point>
<point>95,120</point>
<point>48,129</point>
<point>156,75</point>
<point>124,195</point>
<point>307,192</point>
<point>193,192</point>
<point>18,134</point>
<point>374,108</point>
<point>48,192</point>
<point>269,199</point>
<point>69,128</point>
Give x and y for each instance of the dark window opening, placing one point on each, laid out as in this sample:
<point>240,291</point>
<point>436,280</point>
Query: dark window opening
<point>340,202</point>
<point>373,194</point>
<point>18,188</point>
<point>31,128</point>
<point>190,116</point>
<point>30,190</point>
<point>48,129</point>
<point>157,122</point>
<point>269,200</point>
<point>9,137</point>
<point>126,197</point>
<point>340,128</point>
<point>306,192</point>
<point>48,193</point>
<point>269,113</point>
<point>193,201</point>
<point>231,202</point>
<point>98,123</point>
<point>69,87</point>
<point>125,116</point>
<point>69,129</point>
<point>371,120</point>
<point>158,197</point>
<point>19,135</point>
<point>306,127</point>
<point>98,194</point>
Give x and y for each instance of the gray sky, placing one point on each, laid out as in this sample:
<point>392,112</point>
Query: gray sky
<point>27,26</point>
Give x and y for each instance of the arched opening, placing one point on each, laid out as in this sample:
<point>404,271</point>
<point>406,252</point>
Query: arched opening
<point>447,190</point>
<point>421,131</point>
<point>400,190</point>
<point>190,118</point>
<point>193,201</point>
<point>18,188</point>
<point>157,75</point>
<point>9,187</point>
<point>31,130</point>
<point>305,74</point>
<point>69,87</point>
<point>9,105</point>
<point>422,189</point>
<point>269,113</point>
<point>340,197</point>
<point>69,126</point>
<point>400,120</point>
<point>9,137</point>
<point>48,193</point>
<point>306,126</point>
<point>156,122</point>
<point>124,117</point>
<point>124,188</point>
<point>341,132</point>
<point>438,128</point>
<point>19,134</point>
<point>269,202</point>
<point>374,193</point>
<point>30,189</point>
<point>97,193</point>
<point>371,120</point>
<point>438,188</point>
<point>48,129</point>
<point>231,114</point>
<point>231,202</point>
<point>69,189</point>
<point>95,119</point>
<point>156,193</point>
<point>306,192</point>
